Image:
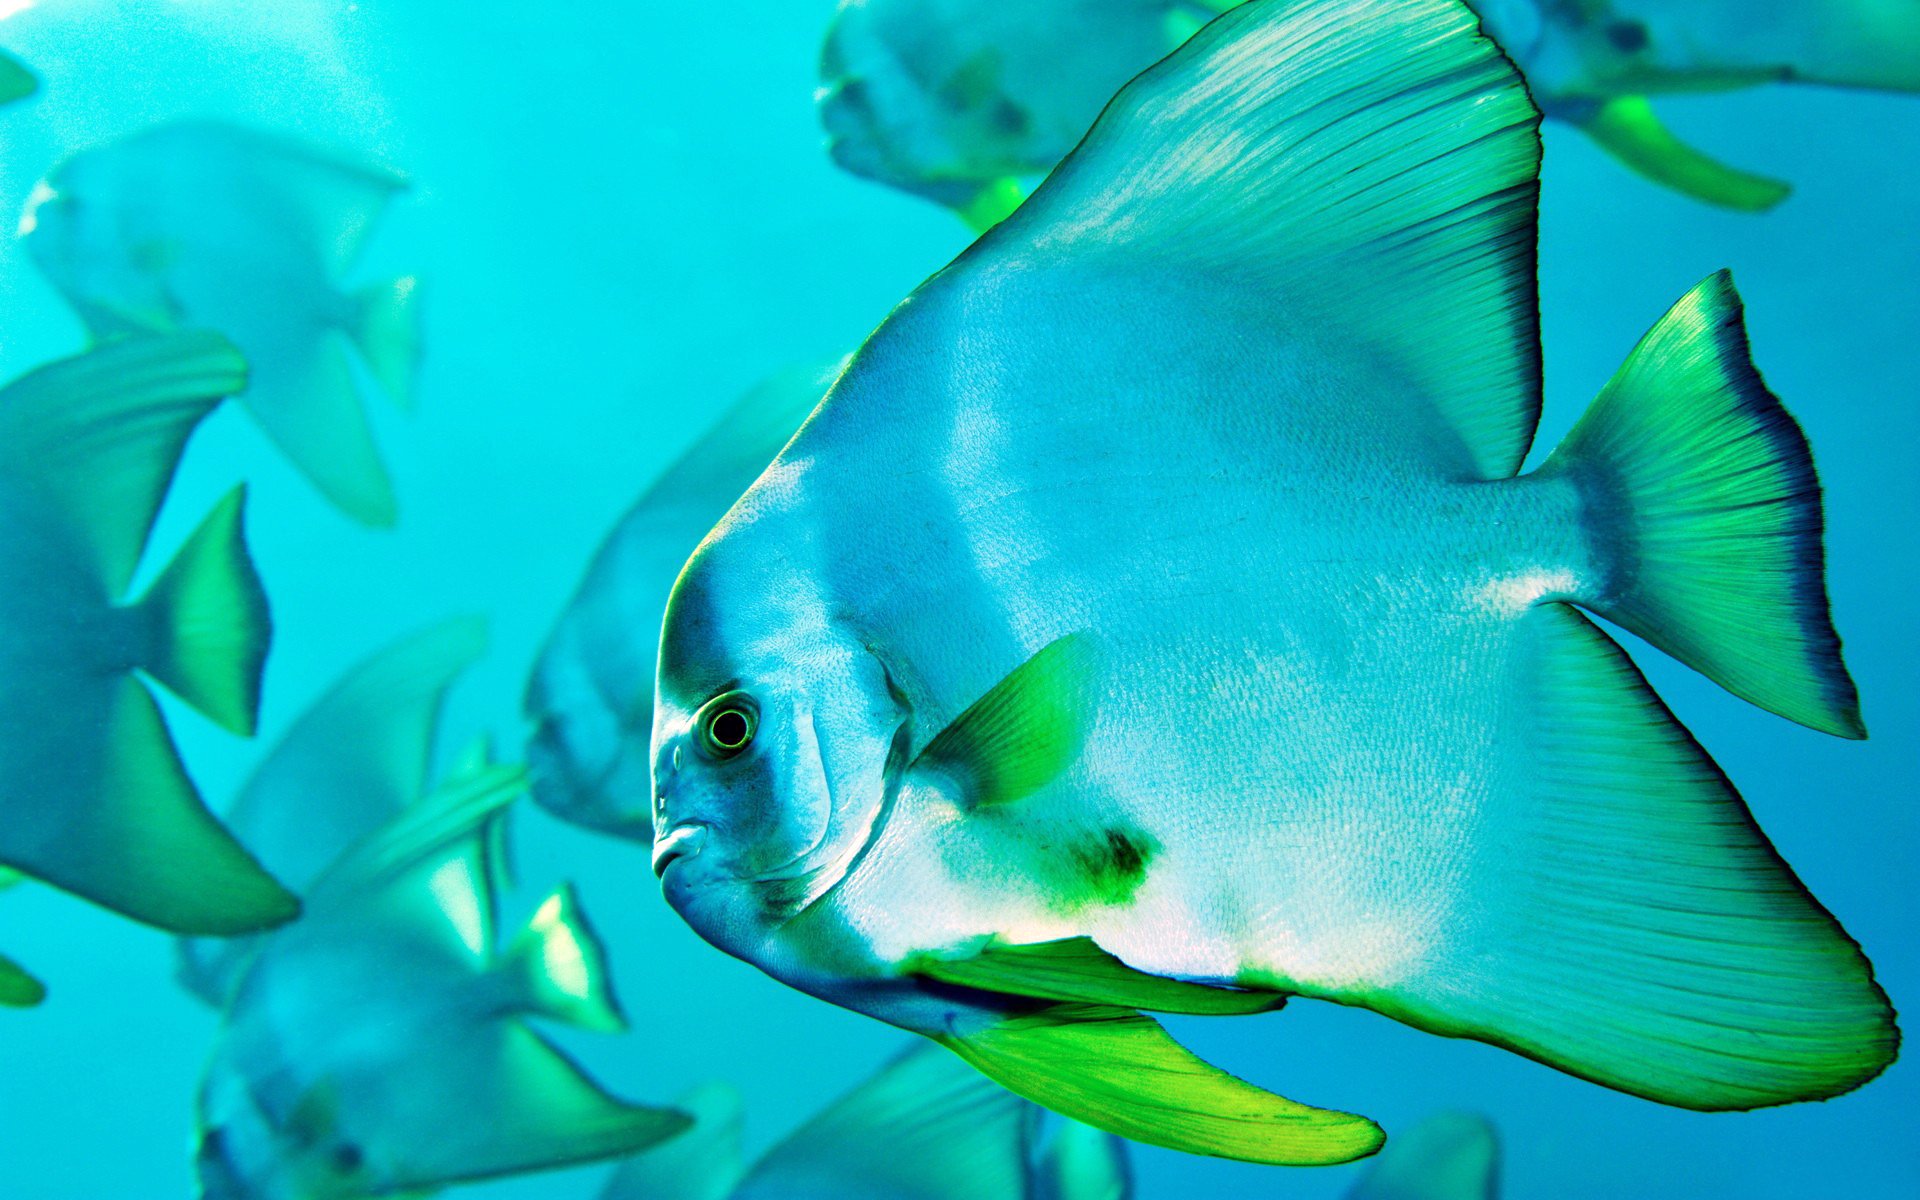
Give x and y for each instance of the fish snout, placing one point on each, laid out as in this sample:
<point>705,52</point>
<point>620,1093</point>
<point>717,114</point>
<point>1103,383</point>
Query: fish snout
<point>677,842</point>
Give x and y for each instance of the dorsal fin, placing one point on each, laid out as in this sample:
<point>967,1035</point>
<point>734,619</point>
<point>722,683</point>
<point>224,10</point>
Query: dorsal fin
<point>1369,167</point>
<point>99,435</point>
<point>926,1126</point>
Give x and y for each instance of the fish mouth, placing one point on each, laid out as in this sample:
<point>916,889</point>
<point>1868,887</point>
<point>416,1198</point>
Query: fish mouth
<point>682,841</point>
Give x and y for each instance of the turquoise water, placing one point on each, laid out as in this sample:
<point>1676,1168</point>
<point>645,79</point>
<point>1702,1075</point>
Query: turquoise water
<point>623,218</point>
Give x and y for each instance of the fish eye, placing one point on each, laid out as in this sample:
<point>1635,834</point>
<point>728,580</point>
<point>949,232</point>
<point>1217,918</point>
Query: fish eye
<point>726,725</point>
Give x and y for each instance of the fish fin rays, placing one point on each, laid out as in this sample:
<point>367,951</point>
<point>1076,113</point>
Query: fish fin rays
<point>949,1133</point>
<point>1638,929</point>
<point>210,626</point>
<point>529,1108</point>
<point>557,967</point>
<point>1024,733</point>
<point>99,434</point>
<point>1448,1156</point>
<point>704,1163</point>
<point>308,403</point>
<point>1702,492</point>
<point>1627,128</point>
<point>1371,169</point>
<point>1119,1071</point>
<point>133,835</point>
<point>1079,971</point>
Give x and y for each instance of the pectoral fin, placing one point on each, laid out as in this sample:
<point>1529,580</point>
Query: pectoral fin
<point>1117,1070</point>
<point>1023,733</point>
<point>1627,128</point>
<point>1077,970</point>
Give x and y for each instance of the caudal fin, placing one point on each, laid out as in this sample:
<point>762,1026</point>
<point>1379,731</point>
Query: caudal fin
<point>1702,497</point>
<point>209,628</point>
<point>557,968</point>
<point>388,334</point>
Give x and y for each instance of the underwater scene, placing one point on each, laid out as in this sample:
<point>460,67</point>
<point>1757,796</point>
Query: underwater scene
<point>1061,600</point>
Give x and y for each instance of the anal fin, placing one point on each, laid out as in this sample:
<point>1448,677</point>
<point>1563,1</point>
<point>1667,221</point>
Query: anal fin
<point>1117,1070</point>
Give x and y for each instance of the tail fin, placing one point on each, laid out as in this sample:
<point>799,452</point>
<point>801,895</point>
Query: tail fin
<point>388,334</point>
<point>558,968</point>
<point>1704,500</point>
<point>209,621</point>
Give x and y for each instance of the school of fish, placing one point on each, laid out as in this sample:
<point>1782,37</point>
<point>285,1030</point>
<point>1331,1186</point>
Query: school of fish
<point>1155,614</point>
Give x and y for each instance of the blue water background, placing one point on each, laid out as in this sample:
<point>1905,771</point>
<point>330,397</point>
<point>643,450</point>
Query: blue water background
<point>624,219</point>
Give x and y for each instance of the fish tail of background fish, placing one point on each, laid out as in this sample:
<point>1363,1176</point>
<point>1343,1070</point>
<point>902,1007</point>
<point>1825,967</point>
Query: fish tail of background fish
<point>1449,1156</point>
<point>209,621</point>
<point>556,967</point>
<point>387,331</point>
<point>1083,1163</point>
<point>97,438</point>
<point>1700,490</point>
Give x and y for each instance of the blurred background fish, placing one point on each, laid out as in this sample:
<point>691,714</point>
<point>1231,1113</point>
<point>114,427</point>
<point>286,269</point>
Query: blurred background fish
<point>924,1127</point>
<point>591,695</point>
<point>207,225</point>
<point>93,797</point>
<point>966,102</point>
<point>380,1044</point>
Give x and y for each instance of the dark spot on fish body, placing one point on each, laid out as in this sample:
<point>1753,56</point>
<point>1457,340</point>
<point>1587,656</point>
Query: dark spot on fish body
<point>1107,868</point>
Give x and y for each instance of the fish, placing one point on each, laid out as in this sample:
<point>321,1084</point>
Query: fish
<point>357,758</point>
<point>965,103</point>
<point>208,225</point>
<point>590,695</point>
<point>18,987</point>
<point>1448,1156</point>
<point>94,798</point>
<point>1595,64</point>
<point>380,1045</point>
<point>1155,617</point>
<point>17,82</point>
<point>923,1127</point>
